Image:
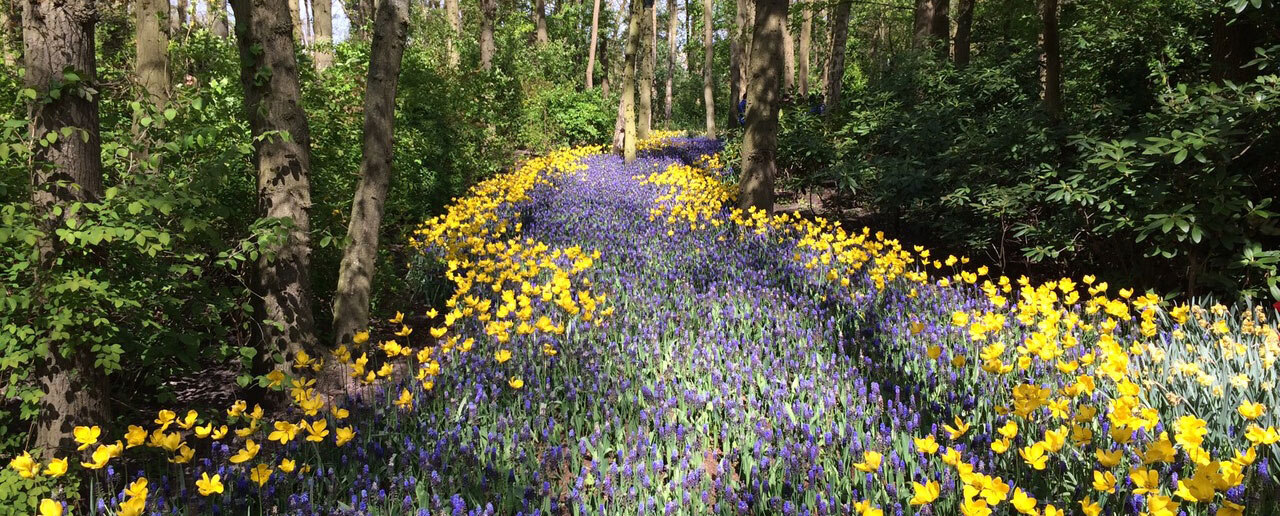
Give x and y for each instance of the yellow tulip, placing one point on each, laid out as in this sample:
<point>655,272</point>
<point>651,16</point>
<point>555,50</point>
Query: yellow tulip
<point>208,486</point>
<point>26,466</point>
<point>925,493</point>
<point>50,507</point>
<point>86,436</point>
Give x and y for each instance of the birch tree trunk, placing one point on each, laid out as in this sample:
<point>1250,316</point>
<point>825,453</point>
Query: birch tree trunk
<point>806,35</point>
<point>282,157</point>
<point>628,101</point>
<point>708,62</point>
<point>152,49</point>
<point>359,258</point>
<point>764,96</point>
<point>488,11</point>
<point>322,31</point>
<point>591,50</point>
<point>58,38</point>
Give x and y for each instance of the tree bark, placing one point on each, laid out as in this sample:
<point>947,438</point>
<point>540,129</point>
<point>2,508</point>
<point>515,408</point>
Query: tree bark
<point>1050,59</point>
<point>806,35</point>
<point>282,157</point>
<point>736,63</point>
<point>604,65</point>
<point>322,30</point>
<point>8,24</point>
<point>295,16</point>
<point>708,67</point>
<point>359,258</point>
<point>644,70</point>
<point>152,47</point>
<point>591,50</point>
<point>182,7</point>
<point>835,57</point>
<point>454,39</point>
<point>218,18</point>
<point>57,40</point>
<point>540,21</point>
<point>359,14</point>
<point>788,58</point>
<point>748,34</point>
<point>931,27</point>
<point>764,96</point>
<point>673,20</point>
<point>964,30</point>
<point>488,11</point>
<point>628,101</point>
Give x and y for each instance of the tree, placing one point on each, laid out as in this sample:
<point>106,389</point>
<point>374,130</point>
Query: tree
<point>708,53</point>
<point>180,8</point>
<point>1050,59</point>
<point>8,23</point>
<point>591,50</point>
<point>645,69</point>
<point>736,62</point>
<point>359,257</point>
<point>295,16</point>
<point>58,50</point>
<point>835,56</point>
<point>788,58</point>
<point>931,25</point>
<point>488,11</point>
<point>806,34</point>
<point>454,15</point>
<point>322,31</point>
<point>152,46</point>
<point>764,96</point>
<point>673,19</point>
<point>360,13</point>
<point>964,29</point>
<point>218,18</point>
<point>628,101</point>
<point>282,158</point>
<point>540,21</point>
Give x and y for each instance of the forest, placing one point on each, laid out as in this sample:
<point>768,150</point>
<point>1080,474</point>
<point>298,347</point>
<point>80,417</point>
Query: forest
<point>564,257</point>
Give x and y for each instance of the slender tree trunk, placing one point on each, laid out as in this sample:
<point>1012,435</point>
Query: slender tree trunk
<point>708,67</point>
<point>454,14</point>
<point>1050,59</point>
<point>835,57</point>
<point>673,20</point>
<point>806,35</point>
<point>183,7</point>
<point>964,29</point>
<point>488,11</point>
<point>748,36</point>
<point>10,58</point>
<point>282,157</point>
<point>152,58</point>
<point>629,81</point>
<point>788,59</point>
<point>295,15</point>
<point>764,96</point>
<point>736,63</point>
<point>591,50</point>
<point>644,71</point>
<point>604,65</point>
<point>218,18</point>
<point>322,31</point>
<point>58,37</point>
<point>359,258</point>
<point>540,21</point>
<point>931,27</point>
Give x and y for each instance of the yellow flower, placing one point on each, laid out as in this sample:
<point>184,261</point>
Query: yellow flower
<point>50,507</point>
<point>260,474</point>
<point>1158,505</point>
<point>100,457</point>
<point>137,489</point>
<point>249,452</point>
<point>164,418</point>
<point>135,436</point>
<point>515,382</point>
<point>1090,508</point>
<point>404,331</point>
<point>1009,430</point>
<point>925,493</point>
<point>934,351</point>
<point>287,465</point>
<point>502,355</point>
<point>1104,481</point>
<point>339,412</point>
<point>399,318</point>
<point>1023,503</point>
<point>1001,445</point>
<point>219,433</point>
<point>56,468</point>
<point>190,420</point>
<point>284,432</point>
<point>208,486</point>
<point>957,431</point>
<point>275,379</point>
<point>406,399</point>
<point>86,436</point>
<point>1251,411</point>
<point>237,408</point>
<point>870,461</point>
<point>1035,456</point>
<point>360,337</point>
<point>927,445</point>
<point>185,454</point>
<point>344,435</point>
<point>1230,508</point>
<point>317,431</point>
<point>1145,481</point>
<point>132,507</point>
<point>26,466</point>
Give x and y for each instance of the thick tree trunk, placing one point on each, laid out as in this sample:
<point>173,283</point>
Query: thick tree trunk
<point>152,58</point>
<point>591,50</point>
<point>282,157</point>
<point>964,29</point>
<point>218,18</point>
<point>764,96</point>
<point>806,36</point>
<point>540,21</point>
<point>359,258</point>
<point>673,19</point>
<point>322,31</point>
<point>1050,59</point>
<point>58,37</point>
<point>628,101</point>
<point>708,67</point>
<point>931,27</point>
<point>835,56</point>
<point>788,59</point>
<point>454,15</point>
<point>644,70</point>
<point>488,11</point>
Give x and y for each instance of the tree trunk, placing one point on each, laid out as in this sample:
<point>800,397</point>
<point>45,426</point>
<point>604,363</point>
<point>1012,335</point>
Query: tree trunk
<point>282,157</point>
<point>604,65</point>
<point>673,20</point>
<point>835,57</point>
<point>764,96</point>
<point>218,18</point>
<point>322,31</point>
<point>540,20</point>
<point>488,11</point>
<point>1050,59</point>
<point>359,258</point>
<point>183,8</point>
<point>591,50</point>
<point>295,16</point>
<point>628,101</point>
<point>152,58</point>
<point>788,58</point>
<point>359,14</point>
<point>454,39</point>
<point>10,58</point>
<point>736,64</point>
<point>748,34</point>
<point>964,29</point>
<point>57,39</point>
<point>708,67</point>
<point>644,70</point>
<point>806,35</point>
<point>931,27</point>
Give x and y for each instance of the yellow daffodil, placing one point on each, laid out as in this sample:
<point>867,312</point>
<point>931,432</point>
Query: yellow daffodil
<point>1251,411</point>
<point>208,486</point>
<point>1104,481</point>
<point>344,435</point>
<point>260,473</point>
<point>249,451</point>
<point>287,465</point>
<point>870,461</point>
<point>926,445</point>
<point>957,431</point>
